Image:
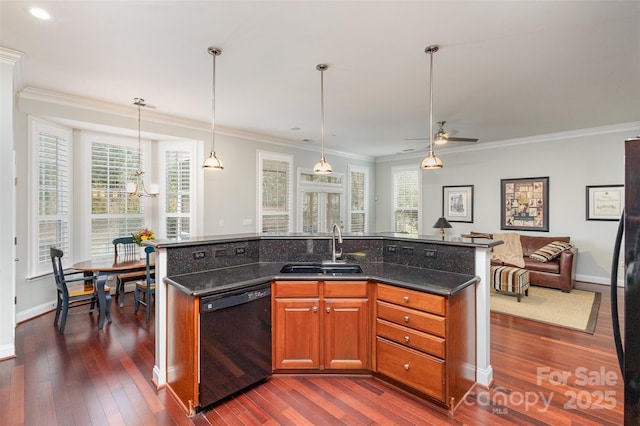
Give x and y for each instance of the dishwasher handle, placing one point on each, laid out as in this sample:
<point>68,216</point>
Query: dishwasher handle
<point>234,299</point>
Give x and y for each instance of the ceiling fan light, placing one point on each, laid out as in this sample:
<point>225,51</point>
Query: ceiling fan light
<point>212,162</point>
<point>322,167</point>
<point>431,162</point>
<point>440,138</point>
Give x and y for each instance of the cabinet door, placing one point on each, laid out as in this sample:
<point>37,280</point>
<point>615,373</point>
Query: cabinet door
<point>296,333</point>
<point>346,333</point>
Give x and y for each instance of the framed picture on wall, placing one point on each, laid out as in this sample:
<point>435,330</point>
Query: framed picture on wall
<point>457,203</point>
<point>605,202</point>
<point>524,204</point>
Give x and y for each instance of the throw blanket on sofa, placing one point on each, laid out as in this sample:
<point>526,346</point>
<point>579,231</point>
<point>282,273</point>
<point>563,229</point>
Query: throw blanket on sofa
<point>509,252</point>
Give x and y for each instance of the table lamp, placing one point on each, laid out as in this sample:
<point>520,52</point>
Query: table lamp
<point>442,223</point>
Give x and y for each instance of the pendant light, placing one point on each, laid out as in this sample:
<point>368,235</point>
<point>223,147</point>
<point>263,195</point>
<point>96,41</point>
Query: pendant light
<point>212,162</point>
<point>431,162</point>
<point>137,188</point>
<point>322,167</point>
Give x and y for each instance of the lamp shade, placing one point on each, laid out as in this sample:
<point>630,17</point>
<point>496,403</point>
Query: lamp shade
<point>442,223</point>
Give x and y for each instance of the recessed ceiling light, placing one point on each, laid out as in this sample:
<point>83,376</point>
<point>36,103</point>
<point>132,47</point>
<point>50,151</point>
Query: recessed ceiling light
<point>40,13</point>
<point>295,128</point>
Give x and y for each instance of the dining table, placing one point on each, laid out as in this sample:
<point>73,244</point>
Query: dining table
<point>102,267</point>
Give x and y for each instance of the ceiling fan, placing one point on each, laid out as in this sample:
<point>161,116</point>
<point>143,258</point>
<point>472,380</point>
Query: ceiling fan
<point>441,137</point>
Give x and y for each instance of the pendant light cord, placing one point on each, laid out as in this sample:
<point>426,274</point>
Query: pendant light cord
<point>431,102</point>
<point>213,103</point>
<point>322,68</point>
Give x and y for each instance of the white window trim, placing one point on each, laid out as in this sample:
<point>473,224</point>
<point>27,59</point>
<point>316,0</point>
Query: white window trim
<point>365,171</point>
<point>395,170</point>
<point>192,147</point>
<point>268,155</point>
<point>83,245</point>
<point>306,186</point>
<point>34,127</point>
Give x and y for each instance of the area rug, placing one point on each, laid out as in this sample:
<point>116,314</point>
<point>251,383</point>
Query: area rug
<point>577,310</point>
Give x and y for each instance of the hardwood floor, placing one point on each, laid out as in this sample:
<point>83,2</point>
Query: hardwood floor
<point>543,375</point>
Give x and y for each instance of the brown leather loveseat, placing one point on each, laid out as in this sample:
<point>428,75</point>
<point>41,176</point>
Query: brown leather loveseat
<point>558,273</point>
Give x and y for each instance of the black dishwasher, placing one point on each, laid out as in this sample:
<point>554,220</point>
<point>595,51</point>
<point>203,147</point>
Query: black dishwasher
<point>235,341</point>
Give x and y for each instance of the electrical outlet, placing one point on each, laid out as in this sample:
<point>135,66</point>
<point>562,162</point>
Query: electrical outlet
<point>430,253</point>
<point>199,254</point>
<point>407,250</point>
<point>220,252</point>
<point>240,250</point>
<point>392,249</point>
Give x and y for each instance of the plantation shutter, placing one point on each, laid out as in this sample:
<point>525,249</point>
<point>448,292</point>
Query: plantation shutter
<point>114,213</point>
<point>405,201</point>
<point>358,205</point>
<point>276,195</point>
<point>54,196</point>
<point>178,194</point>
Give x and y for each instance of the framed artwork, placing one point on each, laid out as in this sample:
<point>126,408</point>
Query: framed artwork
<point>605,202</point>
<point>525,204</point>
<point>457,203</point>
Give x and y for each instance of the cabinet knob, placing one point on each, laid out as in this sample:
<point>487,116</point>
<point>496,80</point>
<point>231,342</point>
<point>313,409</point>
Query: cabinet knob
<point>406,318</point>
<point>328,310</point>
<point>406,339</point>
<point>315,309</point>
<point>406,298</point>
<point>406,367</point>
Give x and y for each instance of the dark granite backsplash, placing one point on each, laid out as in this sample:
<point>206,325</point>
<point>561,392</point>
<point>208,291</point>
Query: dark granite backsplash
<point>430,256</point>
<point>182,260</point>
<point>319,249</point>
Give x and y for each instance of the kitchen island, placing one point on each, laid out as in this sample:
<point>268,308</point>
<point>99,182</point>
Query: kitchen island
<point>442,267</point>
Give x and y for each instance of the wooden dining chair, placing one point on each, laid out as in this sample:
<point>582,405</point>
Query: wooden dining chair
<point>125,248</point>
<point>146,286</point>
<point>69,297</point>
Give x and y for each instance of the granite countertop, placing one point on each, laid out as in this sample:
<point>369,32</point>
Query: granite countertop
<point>231,278</point>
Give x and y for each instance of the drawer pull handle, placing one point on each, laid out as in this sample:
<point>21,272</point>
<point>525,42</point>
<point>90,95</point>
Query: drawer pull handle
<point>406,339</point>
<point>315,309</point>
<point>406,318</point>
<point>328,310</point>
<point>406,367</point>
<point>406,299</point>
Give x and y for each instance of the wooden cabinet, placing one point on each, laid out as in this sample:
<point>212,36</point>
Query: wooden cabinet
<point>320,325</point>
<point>427,342</point>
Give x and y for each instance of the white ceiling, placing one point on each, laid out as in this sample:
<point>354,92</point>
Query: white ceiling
<point>505,69</point>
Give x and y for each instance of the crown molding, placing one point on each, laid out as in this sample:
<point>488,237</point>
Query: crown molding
<point>14,58</point>
<point>127,111</point>
<point>632,127</point>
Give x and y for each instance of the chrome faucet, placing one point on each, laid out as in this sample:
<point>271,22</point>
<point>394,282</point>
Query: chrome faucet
<point>335,255</point>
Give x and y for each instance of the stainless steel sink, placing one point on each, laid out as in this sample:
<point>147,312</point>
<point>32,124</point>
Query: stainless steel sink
<point>321,268</point>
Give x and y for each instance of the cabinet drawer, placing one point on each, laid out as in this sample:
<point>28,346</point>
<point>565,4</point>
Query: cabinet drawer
<point>412,318</point>
<point>422,372</point>
<point>345,289</point>
<point>413,299</point>
<point>408,337</point>
<point>296,288</point>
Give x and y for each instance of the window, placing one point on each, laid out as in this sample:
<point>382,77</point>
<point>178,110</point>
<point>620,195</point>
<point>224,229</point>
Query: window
<point>320,204</point>
<point>177,208</point>
<point>274,192</point>
<point>358,199</point>
<point>52,197</point>
<point>114,213</point>
<point>406,200</point>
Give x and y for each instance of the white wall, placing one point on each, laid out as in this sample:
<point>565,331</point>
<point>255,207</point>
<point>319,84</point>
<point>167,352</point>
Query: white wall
<point>570,160</point>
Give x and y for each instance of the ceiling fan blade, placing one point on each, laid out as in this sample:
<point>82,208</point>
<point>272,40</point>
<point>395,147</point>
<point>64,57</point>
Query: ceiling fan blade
<point>450,139</point>
<point>416,139</point>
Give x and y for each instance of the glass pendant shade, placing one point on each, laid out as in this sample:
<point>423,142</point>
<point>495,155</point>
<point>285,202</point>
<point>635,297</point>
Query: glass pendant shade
<point>431,162</point>
<point>212,162</point>
<point>322,167</point>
